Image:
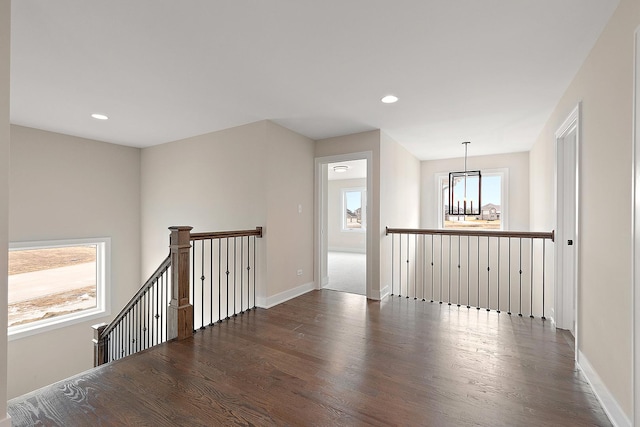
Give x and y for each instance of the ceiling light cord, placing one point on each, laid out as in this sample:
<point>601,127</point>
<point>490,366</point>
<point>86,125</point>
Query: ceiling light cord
<point>466,146</point>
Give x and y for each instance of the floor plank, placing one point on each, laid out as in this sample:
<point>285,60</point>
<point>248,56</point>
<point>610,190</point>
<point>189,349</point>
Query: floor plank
<point>332,358</point>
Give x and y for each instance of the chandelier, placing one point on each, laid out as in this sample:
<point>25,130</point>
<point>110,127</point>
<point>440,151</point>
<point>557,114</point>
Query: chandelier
<point>464,190</point>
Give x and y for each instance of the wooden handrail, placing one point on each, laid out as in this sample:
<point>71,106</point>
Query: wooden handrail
<point>482,233</point>
<point>178,306</point>
<point>226,234</point>
<point>156,274</point>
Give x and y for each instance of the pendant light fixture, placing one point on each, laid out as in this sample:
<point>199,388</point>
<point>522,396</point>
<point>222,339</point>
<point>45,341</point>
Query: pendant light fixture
<point>464,190</point>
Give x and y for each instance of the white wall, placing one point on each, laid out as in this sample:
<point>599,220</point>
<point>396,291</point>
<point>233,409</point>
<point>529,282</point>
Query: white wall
<point>65,187</point>
<point>239,178</point>
<point>604,84</point>
<point>339,240</point>
<point>5,45</point>
<point>188,182</point>
<point>399,198</point>
<point>518,185</point>
<point>289,184</point>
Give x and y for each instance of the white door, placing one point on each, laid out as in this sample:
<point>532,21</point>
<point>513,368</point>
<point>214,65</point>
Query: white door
<point>568,231</point>
<point>565,306</point>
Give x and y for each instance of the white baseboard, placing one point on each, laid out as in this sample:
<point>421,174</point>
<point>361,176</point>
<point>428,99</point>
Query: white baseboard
<point>384,292</point>
<point>5,422</point>
<point>379,294</point>
<point>285,296</point>
<point>350,250</point>
<point>610,405</point>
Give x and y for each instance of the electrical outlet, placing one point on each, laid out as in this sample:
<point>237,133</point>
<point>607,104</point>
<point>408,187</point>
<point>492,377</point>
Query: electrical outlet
<point>299,272</point>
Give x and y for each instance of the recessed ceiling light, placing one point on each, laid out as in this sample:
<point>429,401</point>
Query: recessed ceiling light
<point>389,99</point>
<point>340,168</point>
<point>99,116</point>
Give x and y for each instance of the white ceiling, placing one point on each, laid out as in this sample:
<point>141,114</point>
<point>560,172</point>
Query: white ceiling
<point>356,169</point>
<point>488,71</point>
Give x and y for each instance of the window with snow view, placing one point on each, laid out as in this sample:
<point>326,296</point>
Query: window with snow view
<point>56,283</point>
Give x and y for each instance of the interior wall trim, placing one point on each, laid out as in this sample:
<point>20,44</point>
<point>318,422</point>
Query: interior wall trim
<point>609,403</point>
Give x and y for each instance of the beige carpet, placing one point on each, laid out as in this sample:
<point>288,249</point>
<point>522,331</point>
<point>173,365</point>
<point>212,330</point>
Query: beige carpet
<point>347,272</point>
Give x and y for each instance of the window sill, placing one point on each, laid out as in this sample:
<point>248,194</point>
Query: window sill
<point>34,328</point>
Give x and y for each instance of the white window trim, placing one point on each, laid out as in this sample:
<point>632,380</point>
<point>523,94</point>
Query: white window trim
<point>103,287</point>
<point>504,195</point>
<point>344,192</point>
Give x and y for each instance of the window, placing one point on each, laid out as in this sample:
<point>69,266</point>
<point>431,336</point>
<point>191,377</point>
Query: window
<point>494,207</point>
<point>53,284</point>
<point>354,202</point>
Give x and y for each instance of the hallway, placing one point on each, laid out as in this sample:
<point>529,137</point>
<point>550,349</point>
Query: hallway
<point>331,358</point>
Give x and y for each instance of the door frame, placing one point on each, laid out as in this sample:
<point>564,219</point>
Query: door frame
<point>573,121</point>
<point>635,231</point>
<point>320,247</point>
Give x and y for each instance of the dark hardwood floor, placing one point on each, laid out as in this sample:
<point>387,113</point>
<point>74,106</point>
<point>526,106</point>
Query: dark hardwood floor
<point>330,358</point>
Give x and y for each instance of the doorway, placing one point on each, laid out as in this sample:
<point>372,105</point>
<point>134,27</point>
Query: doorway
<point>346,226</point>
<point>566,271</point>
<point>636,229</point>
<point>343,184</point>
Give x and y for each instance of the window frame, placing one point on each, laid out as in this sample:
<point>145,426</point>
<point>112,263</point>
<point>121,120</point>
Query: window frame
<point>363,207</point>
<point>504,193</point>
<point>103,287</point>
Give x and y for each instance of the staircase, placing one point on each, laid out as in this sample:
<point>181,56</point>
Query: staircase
<point>206,278</point>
